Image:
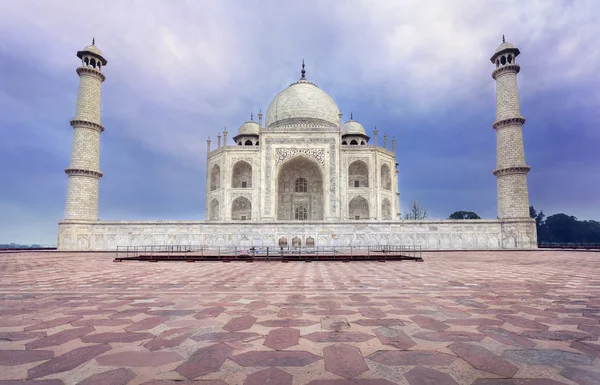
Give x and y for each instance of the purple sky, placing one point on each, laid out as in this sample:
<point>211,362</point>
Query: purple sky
<point>179,72</point>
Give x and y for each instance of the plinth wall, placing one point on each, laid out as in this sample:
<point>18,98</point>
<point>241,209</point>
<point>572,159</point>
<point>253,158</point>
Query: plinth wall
<point>430,235</point>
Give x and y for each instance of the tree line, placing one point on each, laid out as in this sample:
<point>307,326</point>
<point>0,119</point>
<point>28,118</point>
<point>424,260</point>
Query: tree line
<point>557,228</point>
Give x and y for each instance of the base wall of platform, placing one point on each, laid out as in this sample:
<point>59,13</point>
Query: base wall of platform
<point>430,235</point>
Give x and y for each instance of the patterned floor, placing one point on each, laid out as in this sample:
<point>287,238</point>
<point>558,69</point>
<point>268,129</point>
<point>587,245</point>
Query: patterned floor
<point>458,318</point>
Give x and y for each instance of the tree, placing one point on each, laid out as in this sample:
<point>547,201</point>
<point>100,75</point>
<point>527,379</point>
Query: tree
<point>464,215</point>
<point>415,212</point>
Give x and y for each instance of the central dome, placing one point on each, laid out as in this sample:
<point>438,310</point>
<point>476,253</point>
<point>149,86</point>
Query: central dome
<point>302,104</point>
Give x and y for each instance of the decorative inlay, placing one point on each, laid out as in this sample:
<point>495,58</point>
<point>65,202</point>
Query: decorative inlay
<point>91,71</point>
<point>76,171</point>
<point>508,122</point>
<point>507,68</point>
<point>512,170</point>
<point>294,124</point>
<point>283,154</point>
<point>76,123</point>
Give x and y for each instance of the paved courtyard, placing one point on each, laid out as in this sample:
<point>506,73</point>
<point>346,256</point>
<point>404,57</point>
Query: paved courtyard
<point>458,318</point>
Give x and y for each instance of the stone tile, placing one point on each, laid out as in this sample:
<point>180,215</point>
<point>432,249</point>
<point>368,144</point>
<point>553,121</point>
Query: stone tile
<point>20,336</point>
<point>568,321</point>
<point>20,357</point>
<point>271,376</point>
<point>548,357</point>
<point>592,349</point>
<point>507,337</point>
<point>332,312</point>
<point>453,312</point>
<point>257,305</point>
<point>581,376</point>
<point>330,305</point>
<point>227,337</point>
<point>282,338</point>
<point>290,312</point>
<point>482,359</point>
<point>210,312</point>
<point>534,311</point>
<point>269,358</point>
<point>119,376</point>
<point>411,357</point>
<point>31,382</point>
<point>179,382</point>
<point>429,323</point>
<point>474,322</point>
<point>351,382</point>
<point>286,323</point>
<point>394,337</point>
<point>595,330</point>
<point>53,323</point>
<point>338,337</point>
<point>101,322</point>
<point>522,322</point>
<point>344,360</point>
<point>205,360</point>
<point>145,324</point>
<point>168,339</point>
<point>59,338</point>
<point>426,376</point>
<point>240,323</point>
<point>516,381</point>
<point>379,322</point>
<point>295,298</point>
<point>68,361</point>
<point>557,335</point>
<point>449,336</point>
<point>139,359</point>
<point>115,337</point>
<point>372,312</point>
<point>334,323</point>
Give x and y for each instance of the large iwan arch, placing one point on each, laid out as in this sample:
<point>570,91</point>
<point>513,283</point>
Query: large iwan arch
<point>300,188</point>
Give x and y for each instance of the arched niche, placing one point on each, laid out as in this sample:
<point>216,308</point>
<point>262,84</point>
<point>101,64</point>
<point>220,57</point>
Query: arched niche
<point>386,209</point>
<point>358,174</point>
<point>358,208</point>
<point>386,177</point>
<point>214,213</point>
<point>215,178</point>
<point>241,209</point>
<point>300,184</point>
<point>241,176</point>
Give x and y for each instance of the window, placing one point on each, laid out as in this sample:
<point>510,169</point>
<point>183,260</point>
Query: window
<point>357,217</point>
<point>300,185</point>
<point>282,242</point>
<point>243,218</point>
<point>356,183</point>
<point>300,213</point>
<point>244,184</point>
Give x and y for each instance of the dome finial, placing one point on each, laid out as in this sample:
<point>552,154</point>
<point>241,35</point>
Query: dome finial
<point>303,72</point>
<point>503,39</point>
<point>252,116</point>
<point>351,118</point>
<point>93,41</point>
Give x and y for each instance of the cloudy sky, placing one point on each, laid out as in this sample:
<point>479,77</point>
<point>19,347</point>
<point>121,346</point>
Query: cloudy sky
<point>180,71</point>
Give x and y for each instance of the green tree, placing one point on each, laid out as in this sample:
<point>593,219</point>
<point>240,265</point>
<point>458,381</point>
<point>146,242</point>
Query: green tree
<point>415,212</point>
<point>464,215</point>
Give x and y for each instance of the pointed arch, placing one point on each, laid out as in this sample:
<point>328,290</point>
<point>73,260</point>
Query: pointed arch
<point>241,176</point>
<point>358,174</point>
<point>358,208</point>
<point>215,178</point>
<point>386,209</point>
<point>241,209</point>
<point>300,185</point>
<point>386,177</point>
<point>214,213</point>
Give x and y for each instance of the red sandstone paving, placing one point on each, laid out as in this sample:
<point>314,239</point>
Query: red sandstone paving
<point>482,312</point>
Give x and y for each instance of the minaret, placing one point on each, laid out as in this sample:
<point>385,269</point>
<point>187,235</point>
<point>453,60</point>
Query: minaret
<point>84,169</point>
<point>511,170</point>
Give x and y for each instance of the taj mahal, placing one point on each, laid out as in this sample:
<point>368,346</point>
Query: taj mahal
<point>300,175</point>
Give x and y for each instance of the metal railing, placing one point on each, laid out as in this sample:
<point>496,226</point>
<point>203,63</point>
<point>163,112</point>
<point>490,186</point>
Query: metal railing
<point>569,245</point>
<point>260,252</point>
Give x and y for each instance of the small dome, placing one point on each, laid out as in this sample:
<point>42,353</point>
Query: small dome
<point>93,49</point>
<point>302,103</point>
<point>352,127</point>
<point>503,46</point>
<point>249,128</point>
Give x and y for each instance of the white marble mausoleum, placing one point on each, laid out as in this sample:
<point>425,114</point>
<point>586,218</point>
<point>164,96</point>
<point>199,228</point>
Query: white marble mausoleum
<point>302,176</point>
